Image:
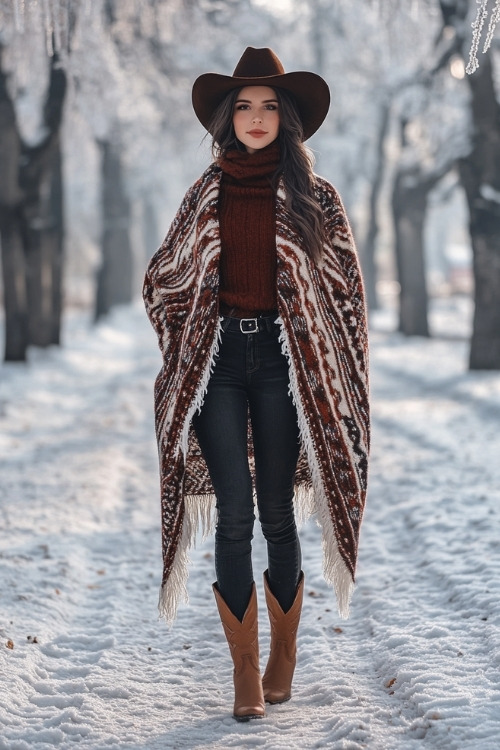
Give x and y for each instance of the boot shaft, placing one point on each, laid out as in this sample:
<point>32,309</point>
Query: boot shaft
<point>243,641</point>
<point>277,680</point>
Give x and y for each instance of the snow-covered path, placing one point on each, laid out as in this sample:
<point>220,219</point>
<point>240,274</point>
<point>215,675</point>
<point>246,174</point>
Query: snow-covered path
<point>84,659</point>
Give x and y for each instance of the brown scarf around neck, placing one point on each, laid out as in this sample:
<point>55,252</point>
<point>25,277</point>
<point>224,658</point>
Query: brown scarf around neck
<point>251,168</point>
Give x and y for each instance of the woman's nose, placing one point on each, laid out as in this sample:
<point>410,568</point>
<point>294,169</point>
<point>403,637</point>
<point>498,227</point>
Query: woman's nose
<point>256,117</point>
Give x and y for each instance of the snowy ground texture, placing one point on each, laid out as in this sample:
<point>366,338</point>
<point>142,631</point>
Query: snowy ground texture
<point>84,659</point>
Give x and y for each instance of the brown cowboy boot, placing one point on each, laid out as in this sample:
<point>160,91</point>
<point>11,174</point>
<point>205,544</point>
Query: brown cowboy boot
<point>277,680</point>
<point>242,638</point>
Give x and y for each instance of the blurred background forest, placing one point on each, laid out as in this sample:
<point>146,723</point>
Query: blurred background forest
<point>98,143</point>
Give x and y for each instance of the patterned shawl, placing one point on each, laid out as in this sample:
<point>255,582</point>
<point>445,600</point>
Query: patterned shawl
<point>324,337</point>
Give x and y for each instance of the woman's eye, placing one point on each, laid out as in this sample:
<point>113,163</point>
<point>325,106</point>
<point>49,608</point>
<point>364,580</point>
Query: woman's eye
<point>241,106</point>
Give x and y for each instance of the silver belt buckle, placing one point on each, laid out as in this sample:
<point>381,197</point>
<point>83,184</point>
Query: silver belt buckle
<point>249,325</point>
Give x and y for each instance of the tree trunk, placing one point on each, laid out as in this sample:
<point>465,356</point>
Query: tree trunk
<point>31,223</point>
<point>367,255</point>
<point>56,238</point>
<point>13,259</point>
<point>41,181</point>
<point>480,177</point>
<point>115,276</point>
<point>409,203</point>
<point>44,219</point>
<point>14,286</point>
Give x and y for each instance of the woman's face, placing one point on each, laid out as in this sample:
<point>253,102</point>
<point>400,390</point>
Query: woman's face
<point>256,118</point>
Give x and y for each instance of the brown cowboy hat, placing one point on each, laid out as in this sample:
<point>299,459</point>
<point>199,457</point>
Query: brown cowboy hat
<point>261,67</point>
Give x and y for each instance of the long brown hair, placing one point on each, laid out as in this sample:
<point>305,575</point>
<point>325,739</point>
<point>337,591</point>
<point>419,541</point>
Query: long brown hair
<point>296,164</point>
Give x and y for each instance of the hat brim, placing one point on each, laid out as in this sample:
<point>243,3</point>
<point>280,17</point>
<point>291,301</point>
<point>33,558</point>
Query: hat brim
<point>311,93</point>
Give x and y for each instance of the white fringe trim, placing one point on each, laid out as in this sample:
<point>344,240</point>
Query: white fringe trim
<point>199,516</point>
<point>174,591</point>
<point>202,389</point>
<point>335,570</point>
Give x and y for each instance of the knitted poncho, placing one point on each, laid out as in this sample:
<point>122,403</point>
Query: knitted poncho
<point>323,335</point>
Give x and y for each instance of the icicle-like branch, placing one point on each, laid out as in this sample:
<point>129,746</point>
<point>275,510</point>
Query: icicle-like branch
<point>495,18</point>
<point>51,17</point>
<point>477,30</point>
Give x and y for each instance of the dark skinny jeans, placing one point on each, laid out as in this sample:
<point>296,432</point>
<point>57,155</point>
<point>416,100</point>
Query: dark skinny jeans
<point>251,374</point>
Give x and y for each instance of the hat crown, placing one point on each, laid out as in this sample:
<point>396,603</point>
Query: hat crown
<point>258,63</point>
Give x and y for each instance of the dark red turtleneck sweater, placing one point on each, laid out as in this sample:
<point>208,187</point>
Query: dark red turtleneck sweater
<point>247,217</point>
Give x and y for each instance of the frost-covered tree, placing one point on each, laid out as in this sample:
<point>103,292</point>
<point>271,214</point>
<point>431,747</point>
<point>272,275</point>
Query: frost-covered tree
<point>430,116</point>
<point>32,95</point>
<point>480,177</point>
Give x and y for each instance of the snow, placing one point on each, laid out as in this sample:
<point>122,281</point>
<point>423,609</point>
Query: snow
<point>417,665</point>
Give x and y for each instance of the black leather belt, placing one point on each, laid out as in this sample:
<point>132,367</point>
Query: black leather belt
<point>249,325</point>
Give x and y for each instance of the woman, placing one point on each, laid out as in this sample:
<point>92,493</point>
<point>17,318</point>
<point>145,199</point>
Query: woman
<point>257,301</point>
